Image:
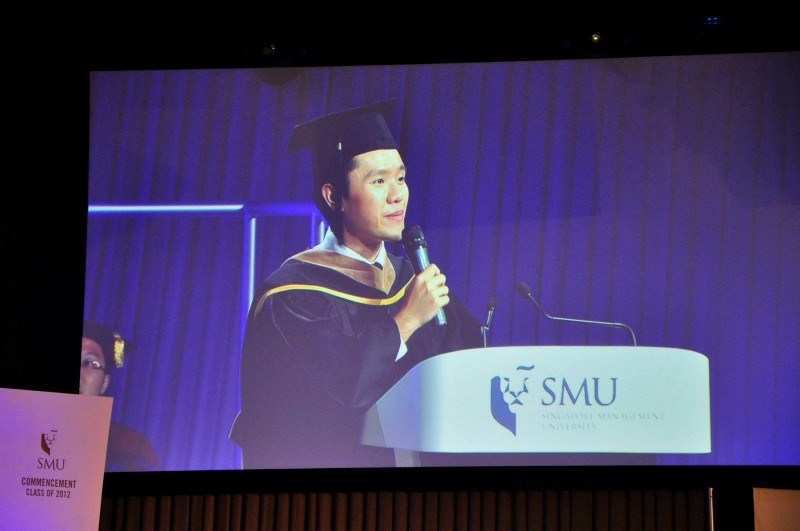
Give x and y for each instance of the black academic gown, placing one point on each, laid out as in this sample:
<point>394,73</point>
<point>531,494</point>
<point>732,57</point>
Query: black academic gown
<point>130,451</point>
<point>320,348</point>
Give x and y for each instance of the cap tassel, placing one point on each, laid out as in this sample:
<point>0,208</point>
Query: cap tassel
<point>119,350</point>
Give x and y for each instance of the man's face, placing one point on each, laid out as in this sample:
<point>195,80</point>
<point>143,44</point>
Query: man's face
<point>375,208</point>
<point>94,380</point>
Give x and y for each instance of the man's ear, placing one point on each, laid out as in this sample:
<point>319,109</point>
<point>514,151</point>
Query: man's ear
<point>329,195</point>
<point>106,381</point>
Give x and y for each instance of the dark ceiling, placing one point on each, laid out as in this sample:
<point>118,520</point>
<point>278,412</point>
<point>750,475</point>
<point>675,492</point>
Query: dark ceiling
<point>518,39</point>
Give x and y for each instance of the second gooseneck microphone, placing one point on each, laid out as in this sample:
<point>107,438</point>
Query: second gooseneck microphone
<point>417,250</point>
<point>525,291</point>
<point>491,307</point>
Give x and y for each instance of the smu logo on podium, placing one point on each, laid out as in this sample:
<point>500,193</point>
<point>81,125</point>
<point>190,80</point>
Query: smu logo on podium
<point>509,394</point>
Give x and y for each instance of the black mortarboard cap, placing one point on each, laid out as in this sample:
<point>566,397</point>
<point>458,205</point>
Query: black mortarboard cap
<point>110,341</point>
<point>339,136</point>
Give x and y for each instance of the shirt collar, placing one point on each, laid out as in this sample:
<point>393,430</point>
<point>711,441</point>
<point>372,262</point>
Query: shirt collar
<point>330,243</point>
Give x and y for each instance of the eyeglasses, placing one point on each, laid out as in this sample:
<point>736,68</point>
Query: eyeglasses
<point>92,364</point>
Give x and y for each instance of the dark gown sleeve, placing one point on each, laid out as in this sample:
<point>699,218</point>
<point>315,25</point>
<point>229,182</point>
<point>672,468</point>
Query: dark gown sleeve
<point>347,348</point>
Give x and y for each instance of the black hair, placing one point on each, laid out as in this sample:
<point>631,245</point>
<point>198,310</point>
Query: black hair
<point>336,174</point>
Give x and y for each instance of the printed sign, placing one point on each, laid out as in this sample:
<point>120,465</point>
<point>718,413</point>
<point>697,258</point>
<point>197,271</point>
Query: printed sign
<point>52,457</point>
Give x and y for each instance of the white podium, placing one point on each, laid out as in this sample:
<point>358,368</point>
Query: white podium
<point>554,399</point>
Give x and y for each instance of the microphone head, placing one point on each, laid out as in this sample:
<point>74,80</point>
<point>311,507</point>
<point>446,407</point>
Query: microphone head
<point>523,289</point>
<point>413,238</point>
<point>492,303</point>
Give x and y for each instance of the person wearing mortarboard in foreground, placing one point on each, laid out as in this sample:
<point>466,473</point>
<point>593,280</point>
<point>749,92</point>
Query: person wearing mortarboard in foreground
<point>103,351</point>
<point>333,328</point>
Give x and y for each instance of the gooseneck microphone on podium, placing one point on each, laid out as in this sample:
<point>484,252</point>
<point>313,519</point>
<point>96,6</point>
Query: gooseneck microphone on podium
<point>525,291</point>
<point>417,250</point>
<point>491,307</point>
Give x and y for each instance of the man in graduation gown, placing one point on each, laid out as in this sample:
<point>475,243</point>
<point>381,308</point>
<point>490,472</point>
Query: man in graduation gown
<point>332,329</point>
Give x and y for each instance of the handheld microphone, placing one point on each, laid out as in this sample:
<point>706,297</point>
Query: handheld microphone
<point>417,250</point>
<point>525,291</point>
<point>492,306</point>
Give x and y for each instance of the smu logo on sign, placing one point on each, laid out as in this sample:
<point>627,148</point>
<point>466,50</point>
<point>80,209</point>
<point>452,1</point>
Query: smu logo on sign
<point>46,442</point>
<point>509,394</point>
